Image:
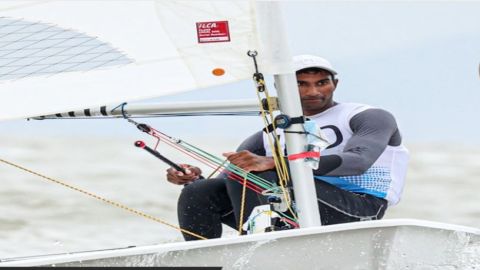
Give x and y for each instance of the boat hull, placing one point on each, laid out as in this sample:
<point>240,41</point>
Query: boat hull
<point>388,244</point>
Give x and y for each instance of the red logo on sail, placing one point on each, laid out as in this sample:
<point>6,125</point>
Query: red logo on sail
<point>217,31</point>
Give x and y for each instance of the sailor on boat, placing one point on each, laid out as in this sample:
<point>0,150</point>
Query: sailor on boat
<point>360,174</point>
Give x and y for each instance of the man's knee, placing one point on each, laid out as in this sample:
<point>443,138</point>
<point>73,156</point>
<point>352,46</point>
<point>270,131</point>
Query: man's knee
<point>189,195</point>
<point>203,194</point>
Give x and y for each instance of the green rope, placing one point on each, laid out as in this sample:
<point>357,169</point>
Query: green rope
<point>266,185</point>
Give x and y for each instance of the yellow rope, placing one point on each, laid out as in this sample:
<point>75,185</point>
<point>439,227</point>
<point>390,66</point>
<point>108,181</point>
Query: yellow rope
<point>147,216</point>
<point>276,148</point>
<point>242,204</point>
<point>218,168</point>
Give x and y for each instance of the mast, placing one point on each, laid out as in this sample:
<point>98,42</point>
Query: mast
<point>302,176</point>
<point>279,60</point>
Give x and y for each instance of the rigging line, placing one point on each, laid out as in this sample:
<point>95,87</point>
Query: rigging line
<point>200,155</point>
<point>190,154</point>
<point>212,164</point>
<point>234,173</point>
<point>261,88</point>
<point>203,160</point>
<point>262,192</point>
<point>250,176</point>
<point>239,179</point>
<point>242,204</point>
<point>195,155</point>
<point>282,174</point>
<point>218,168</point>
<point>286,217</point>
<point>180,145</point>
<point>216,160</point>
<point>277,146</point>
<point>280,164</point>
<point>252,184</point>
<point>294,224</point>
<point>110,202</point>
<point>230,167</point>
<point>209,162</point>
<point>208,159</point>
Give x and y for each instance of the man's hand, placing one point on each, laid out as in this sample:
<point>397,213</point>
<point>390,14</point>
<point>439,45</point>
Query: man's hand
<point>249,161</point>
<point>179,178</point>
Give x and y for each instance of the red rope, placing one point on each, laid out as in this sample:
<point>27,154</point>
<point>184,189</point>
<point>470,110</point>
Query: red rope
<point>232,176</point>
<point>294,224</point>
<point>239,179</point>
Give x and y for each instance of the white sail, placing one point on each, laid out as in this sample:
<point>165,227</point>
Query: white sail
<point>58,56</point>
<point>64,56</point>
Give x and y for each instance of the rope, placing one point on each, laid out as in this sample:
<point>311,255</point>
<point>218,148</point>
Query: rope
<point>242,205</point>
<point>116,204</point>
<point>218,168</point>
<point>280,164</point>
<point>247,179</point>
<point>210,159</point>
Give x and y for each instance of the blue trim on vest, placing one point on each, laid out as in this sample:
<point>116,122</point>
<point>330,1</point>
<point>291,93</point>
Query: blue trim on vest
<point>345,185</point>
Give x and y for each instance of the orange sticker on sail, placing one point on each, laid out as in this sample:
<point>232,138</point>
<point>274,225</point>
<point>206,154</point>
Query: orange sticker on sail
<point>218,71</point>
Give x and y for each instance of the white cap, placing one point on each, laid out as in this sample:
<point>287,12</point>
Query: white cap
<point>311,61</point>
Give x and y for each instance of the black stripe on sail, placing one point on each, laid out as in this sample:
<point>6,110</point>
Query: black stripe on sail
<point>71,114</point>
<point>58,115</point>
<point>103,110</point>
<point>87,112</point>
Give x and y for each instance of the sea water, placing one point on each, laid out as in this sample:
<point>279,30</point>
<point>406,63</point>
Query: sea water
<point>38,216</point>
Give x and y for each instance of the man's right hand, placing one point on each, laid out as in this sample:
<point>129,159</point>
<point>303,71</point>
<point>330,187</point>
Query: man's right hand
<point>179,178</point>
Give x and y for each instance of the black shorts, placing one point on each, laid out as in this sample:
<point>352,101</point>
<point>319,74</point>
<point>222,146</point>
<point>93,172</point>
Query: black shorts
<point>205,204</point>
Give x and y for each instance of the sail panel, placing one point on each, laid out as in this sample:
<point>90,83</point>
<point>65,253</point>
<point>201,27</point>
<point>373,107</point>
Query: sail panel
<point>133,50</point>
<point>32,48</point>
<point>275,51</point>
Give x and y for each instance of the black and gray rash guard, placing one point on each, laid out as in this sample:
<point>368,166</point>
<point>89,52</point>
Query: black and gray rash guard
<point>365,152</point>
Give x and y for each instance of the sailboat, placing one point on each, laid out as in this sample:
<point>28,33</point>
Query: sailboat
<point>88,54</point>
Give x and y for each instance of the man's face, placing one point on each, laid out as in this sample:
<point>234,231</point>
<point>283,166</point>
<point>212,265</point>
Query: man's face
<point>316,91</point>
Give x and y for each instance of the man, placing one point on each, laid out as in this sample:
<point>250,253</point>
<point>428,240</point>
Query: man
<point>360,173</point>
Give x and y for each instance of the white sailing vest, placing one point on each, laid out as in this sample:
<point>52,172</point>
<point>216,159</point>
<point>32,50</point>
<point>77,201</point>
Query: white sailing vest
<point>384,179</point>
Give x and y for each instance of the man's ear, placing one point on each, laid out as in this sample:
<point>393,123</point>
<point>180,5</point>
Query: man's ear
<point>335,82</point>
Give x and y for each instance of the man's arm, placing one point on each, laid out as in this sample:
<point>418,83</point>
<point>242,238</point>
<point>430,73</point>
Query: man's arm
<point>254,144</point>
<point>373,130</point>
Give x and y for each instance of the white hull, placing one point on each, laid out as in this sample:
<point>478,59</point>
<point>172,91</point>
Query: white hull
<point>386,244</point>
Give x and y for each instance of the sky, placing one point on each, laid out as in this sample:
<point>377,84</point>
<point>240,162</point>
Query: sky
<point>418,60</point>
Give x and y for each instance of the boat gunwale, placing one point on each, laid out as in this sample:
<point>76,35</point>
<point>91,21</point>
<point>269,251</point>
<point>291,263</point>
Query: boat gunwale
<point>271,236</point>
